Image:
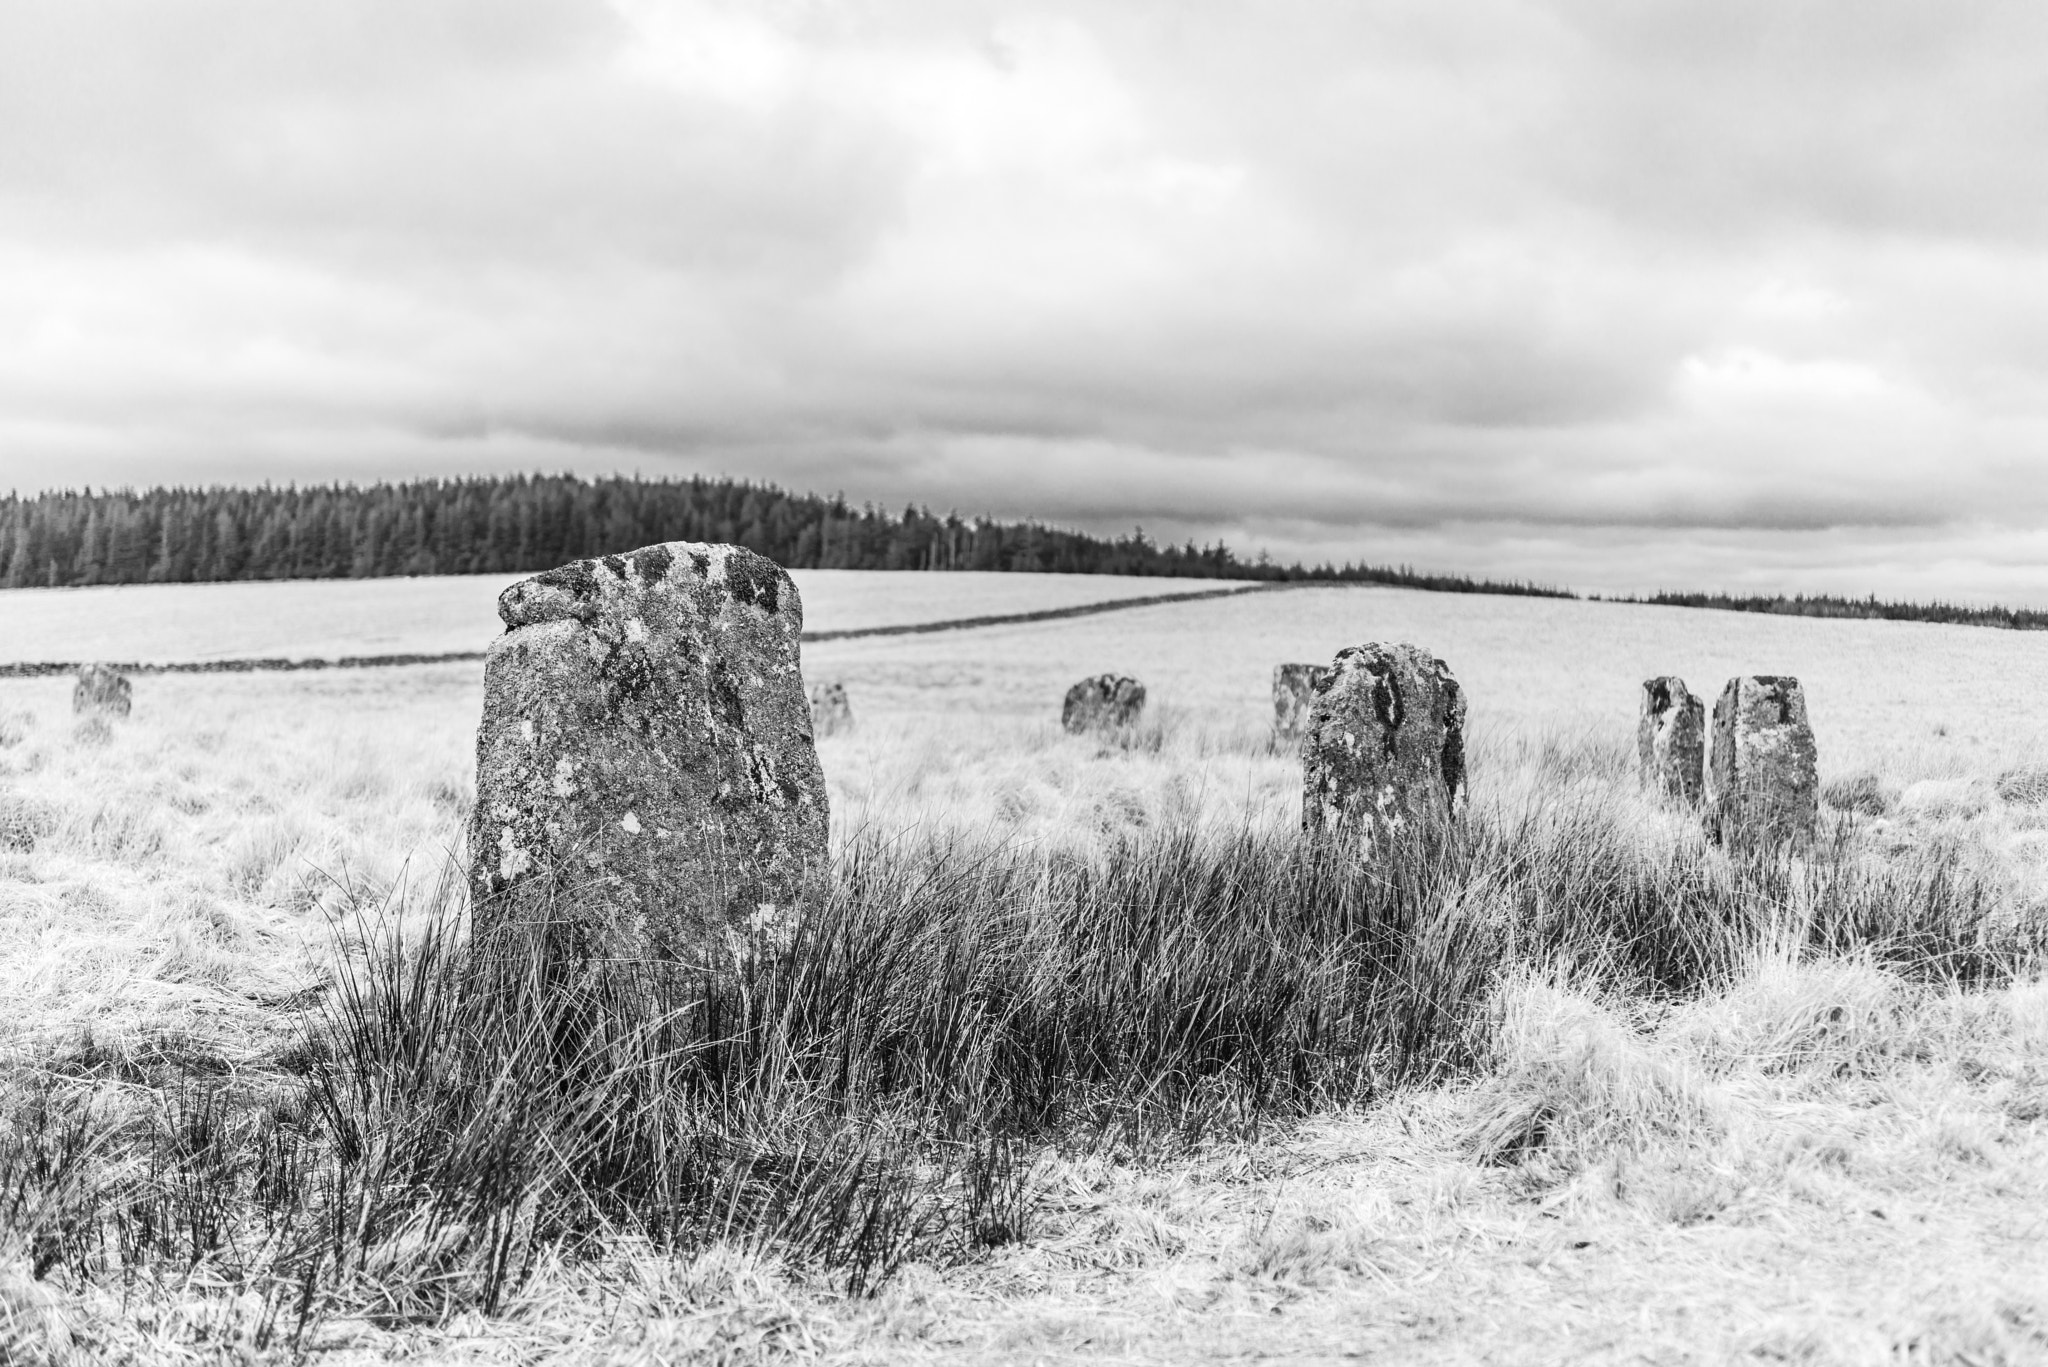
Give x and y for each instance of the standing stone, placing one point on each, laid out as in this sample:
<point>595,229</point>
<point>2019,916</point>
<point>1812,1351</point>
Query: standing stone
<point>1385,747</point>
<point>100,690</point>
<point>830,711</point>
<point>1103,702</point>
<point>644,765</point>
<point>1671,740</point>
<point>1294,693</point>
<point>1762,782</point>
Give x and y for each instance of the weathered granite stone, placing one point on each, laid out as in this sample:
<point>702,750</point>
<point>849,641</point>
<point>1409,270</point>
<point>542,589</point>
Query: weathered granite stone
<point>100,690</point>
<point>1103,702</point>
<point>830,711</point>
<point>1294,693</point>
<point>1385,746</point>
<point>1671,740</point>
<point>645,762</point>
<point>1762,783</point>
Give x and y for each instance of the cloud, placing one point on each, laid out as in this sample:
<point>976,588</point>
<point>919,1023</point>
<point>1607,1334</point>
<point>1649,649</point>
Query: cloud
<point>1742,288</point>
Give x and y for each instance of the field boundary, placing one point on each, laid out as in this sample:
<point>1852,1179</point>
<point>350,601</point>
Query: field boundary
<point>29,669</point>
<point>1043,614</point>
<point>26,669</point>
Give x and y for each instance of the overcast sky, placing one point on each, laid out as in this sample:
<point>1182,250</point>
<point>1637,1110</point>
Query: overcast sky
<point>1736,293</point>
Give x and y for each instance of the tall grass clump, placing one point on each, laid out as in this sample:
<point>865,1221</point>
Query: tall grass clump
<point>464,1105</point>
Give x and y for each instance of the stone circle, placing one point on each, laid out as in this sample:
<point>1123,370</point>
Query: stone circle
<point>1671,740</point>
<point>1294,693</point>
<point>1104,702</point>
<point>1384,752</point>
<point>102,691</point>
<point>645,771</point>
<point>1762,782</point>
<point>831,713</point>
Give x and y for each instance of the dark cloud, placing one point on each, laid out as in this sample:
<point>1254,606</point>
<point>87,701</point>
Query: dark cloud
<point>1720,290</point>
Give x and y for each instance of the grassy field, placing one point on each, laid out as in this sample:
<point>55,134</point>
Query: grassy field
<point>1573,1088</point>
<point>443,614</point>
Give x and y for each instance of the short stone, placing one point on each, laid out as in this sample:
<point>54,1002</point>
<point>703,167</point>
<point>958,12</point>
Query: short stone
<point>831,713</point>
<point>101,690</point>
<point>1294,694</point>
<point>1105,702</point>
<point>1671,740</point>
<point>1384,752</point>
<point>1762,782</point>
<point>645,772</point>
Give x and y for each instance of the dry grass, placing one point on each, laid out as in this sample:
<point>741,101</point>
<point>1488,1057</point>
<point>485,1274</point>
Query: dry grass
<point>1816,1159</point>
<point>1743,1179</point>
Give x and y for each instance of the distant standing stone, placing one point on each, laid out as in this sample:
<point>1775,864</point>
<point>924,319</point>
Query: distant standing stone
<point>1103,702</point>
<point>1294,693</point>
<point>1762,783</point>
<point>830,711</point>
<point>1385,747</point>
<point>645,758</point>
<point>100,690</point>
<point>1671,740</point>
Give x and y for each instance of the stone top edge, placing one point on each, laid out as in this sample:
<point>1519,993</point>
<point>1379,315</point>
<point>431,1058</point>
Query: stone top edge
<point>583,589</point>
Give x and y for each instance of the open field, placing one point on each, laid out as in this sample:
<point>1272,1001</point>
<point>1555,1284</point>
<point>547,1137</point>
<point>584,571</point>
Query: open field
<point>1878,691</point>
<point>1674,1109</point>
<point>323,618</point>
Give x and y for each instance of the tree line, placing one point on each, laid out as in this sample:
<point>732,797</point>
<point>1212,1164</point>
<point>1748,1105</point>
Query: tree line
<point>522,523</point>
<point>517,524</point>
<point>1871,608</point>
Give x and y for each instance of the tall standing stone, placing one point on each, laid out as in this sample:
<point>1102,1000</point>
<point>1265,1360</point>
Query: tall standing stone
<point>1671,740</point>
<point>1104,702</point>
<point>101,691</point>
<point>1294,694</point>
<point>645,761</point>
<point>831,713</point>
<point>1762,782</point>
<point>1385,747</point>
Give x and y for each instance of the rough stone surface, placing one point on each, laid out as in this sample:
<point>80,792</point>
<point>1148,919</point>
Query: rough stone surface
<point>831,713</point>
<point>646,755</point>
<point>1762,781</point>
<point>1385,746</point>
<point>1671,740</point>
<point>1103,702</point>
<point>100,690</point>
<point>1294,694</point>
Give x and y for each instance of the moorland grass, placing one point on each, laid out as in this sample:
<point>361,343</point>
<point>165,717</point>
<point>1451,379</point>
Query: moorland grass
<point>456,1111</point>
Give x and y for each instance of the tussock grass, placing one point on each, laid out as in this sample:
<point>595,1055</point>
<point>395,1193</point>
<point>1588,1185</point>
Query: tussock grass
<point>1047,961</point>
<point>458,1112</point>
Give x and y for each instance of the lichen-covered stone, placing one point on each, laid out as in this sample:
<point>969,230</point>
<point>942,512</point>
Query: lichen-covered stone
<point>101,690</point>
<point>1384,752</point>
<point>1294,694</point>
<point>1671,740</point>
<point>1104,702</point>
<point>1762,781</point>
<point>645,761</point>
<point>831,713</point>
